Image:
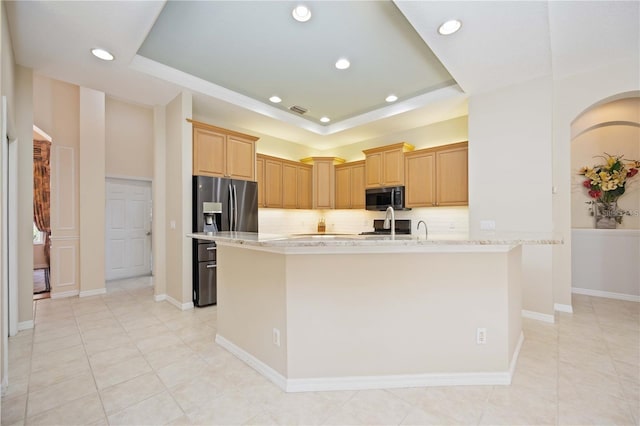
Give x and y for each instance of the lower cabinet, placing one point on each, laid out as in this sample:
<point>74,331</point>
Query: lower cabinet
<point>350,185</point>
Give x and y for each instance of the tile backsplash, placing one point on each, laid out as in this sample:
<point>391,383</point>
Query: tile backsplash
<point>440,220</point>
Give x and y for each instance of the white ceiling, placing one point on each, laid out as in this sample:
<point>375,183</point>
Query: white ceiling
<point>500,43</point>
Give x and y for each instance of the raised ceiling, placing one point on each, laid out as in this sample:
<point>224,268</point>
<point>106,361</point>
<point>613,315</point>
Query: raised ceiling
<point>257,49</point>
<point>500,44</point>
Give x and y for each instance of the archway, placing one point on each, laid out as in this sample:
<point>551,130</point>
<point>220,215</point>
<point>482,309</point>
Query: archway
<point>604,261</point>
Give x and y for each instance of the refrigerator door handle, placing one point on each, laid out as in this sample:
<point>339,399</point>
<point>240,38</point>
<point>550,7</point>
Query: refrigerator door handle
<point>235,209</point>
<point>230,208</point>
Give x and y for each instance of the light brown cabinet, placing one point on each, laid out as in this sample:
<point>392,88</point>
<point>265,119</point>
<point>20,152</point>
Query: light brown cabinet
<point>283,183</point>
<point>323,180</point>
<point>384,166</point>
<point>260,180</point>
<point>350,186</point>
<point>437,176</point>
<point>223,153</point>
<point>452,176</point>
<point>272,183</point>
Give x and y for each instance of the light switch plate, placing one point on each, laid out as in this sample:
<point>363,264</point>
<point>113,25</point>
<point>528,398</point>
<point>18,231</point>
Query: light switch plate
<point>487,225</point>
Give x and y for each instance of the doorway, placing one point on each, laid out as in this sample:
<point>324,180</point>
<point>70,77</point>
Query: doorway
<point>128,228</point>
<point>41,214</point>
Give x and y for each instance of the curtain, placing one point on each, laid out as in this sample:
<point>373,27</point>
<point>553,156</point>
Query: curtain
<point>41,195</point>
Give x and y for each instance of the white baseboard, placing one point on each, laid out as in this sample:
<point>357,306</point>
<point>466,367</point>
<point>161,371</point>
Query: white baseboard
<point>607,294</point>
<point>369,382</point>
<point>25,325</point>
<point>538,316</point>
<point>96,292</point>
<point>262,368</point>
<point>559,307</point>
<point>63,294</point>
<point>182,306</point>
<point>160,297</point>
<point>516,354</point>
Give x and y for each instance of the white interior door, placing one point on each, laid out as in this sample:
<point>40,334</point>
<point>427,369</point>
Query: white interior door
<point>128,228</point>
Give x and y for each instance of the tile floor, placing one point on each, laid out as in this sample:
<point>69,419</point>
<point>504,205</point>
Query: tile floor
<point>123,359</point>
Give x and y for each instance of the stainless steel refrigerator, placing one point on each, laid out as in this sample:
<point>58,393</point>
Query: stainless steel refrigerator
<point>238,211</point>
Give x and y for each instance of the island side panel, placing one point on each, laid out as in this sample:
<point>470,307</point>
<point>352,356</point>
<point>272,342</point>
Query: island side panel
<point>251,303</point>
<point>392,314</point>
<point>515,292</point>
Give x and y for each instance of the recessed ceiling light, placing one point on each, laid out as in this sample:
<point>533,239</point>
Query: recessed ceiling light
<point>449,27</point>
<point>301,13</point>
<point>275,99</point>
<point>102,54</point>
<point>325,119</point>
<point>343,64</point>
<point>391,98</point>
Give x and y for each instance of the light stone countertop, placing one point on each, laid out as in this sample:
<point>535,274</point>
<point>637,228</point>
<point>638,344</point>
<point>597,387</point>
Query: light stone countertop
<point>350,243</point>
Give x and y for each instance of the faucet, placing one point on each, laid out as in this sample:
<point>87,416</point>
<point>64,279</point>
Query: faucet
<point>426,231</point>
<point>392,225</point>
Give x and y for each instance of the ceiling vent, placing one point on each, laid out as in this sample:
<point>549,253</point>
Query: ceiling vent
<point>298,109</point>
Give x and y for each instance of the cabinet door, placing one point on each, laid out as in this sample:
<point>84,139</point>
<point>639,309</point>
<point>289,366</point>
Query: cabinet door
<point>373,170</point>
<point>343,187</point>
<point>452,177</point>
<point>241,155</point>
<point>323,182</point>
<point>305,185</point>
<point>393,168</point>
<point>273,183</point>
<point>289,186</point>
<point>260,180</point>
<point>357,186</point>
<point>420,190</point>
<point>208,153</point>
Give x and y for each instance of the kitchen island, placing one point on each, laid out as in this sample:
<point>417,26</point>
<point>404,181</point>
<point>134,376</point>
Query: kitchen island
<point>355,312</point>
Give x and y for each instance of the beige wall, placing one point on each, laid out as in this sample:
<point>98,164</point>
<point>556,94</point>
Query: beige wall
<point>614,128</point>
<point>442,133</point>
<point>510,176</point>
<point>159,222</point>
<point>6,60</point>
<point>92,192</point>
<point>178,197</point>
<point>572,96</point>
<point>24,125</point>
<point>269,145</point>
<point>129,139</point>
<point>56,111</point>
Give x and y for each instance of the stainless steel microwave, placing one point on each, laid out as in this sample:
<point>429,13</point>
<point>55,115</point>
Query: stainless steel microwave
<point>381,198</point>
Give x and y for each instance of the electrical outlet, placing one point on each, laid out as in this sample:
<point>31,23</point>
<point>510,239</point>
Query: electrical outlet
<point>481,336</point>
<point>276,337</point>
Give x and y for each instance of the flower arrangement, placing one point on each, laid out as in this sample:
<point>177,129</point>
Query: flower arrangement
<point>607,182</point>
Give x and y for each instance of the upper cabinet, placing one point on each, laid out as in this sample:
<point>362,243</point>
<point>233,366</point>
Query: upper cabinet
<point>384,166</point>
<point>437,176</point>
<point>223,153</point>
<point>283,183</point>
<point>452,175</point>
<point>323,180</point>
<point>350,187</point>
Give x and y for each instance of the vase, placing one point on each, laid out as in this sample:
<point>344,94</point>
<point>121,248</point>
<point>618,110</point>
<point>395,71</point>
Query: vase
<point>606,214</point>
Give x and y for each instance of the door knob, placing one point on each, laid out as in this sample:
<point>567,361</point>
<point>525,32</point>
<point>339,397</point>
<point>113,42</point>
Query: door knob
<point>148,233</point>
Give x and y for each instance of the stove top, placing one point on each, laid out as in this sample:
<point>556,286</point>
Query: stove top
<point>403,227</point>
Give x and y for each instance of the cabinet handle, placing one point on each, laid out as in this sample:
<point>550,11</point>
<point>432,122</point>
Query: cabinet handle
<point>213,265</point>
<point>211,248</point>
